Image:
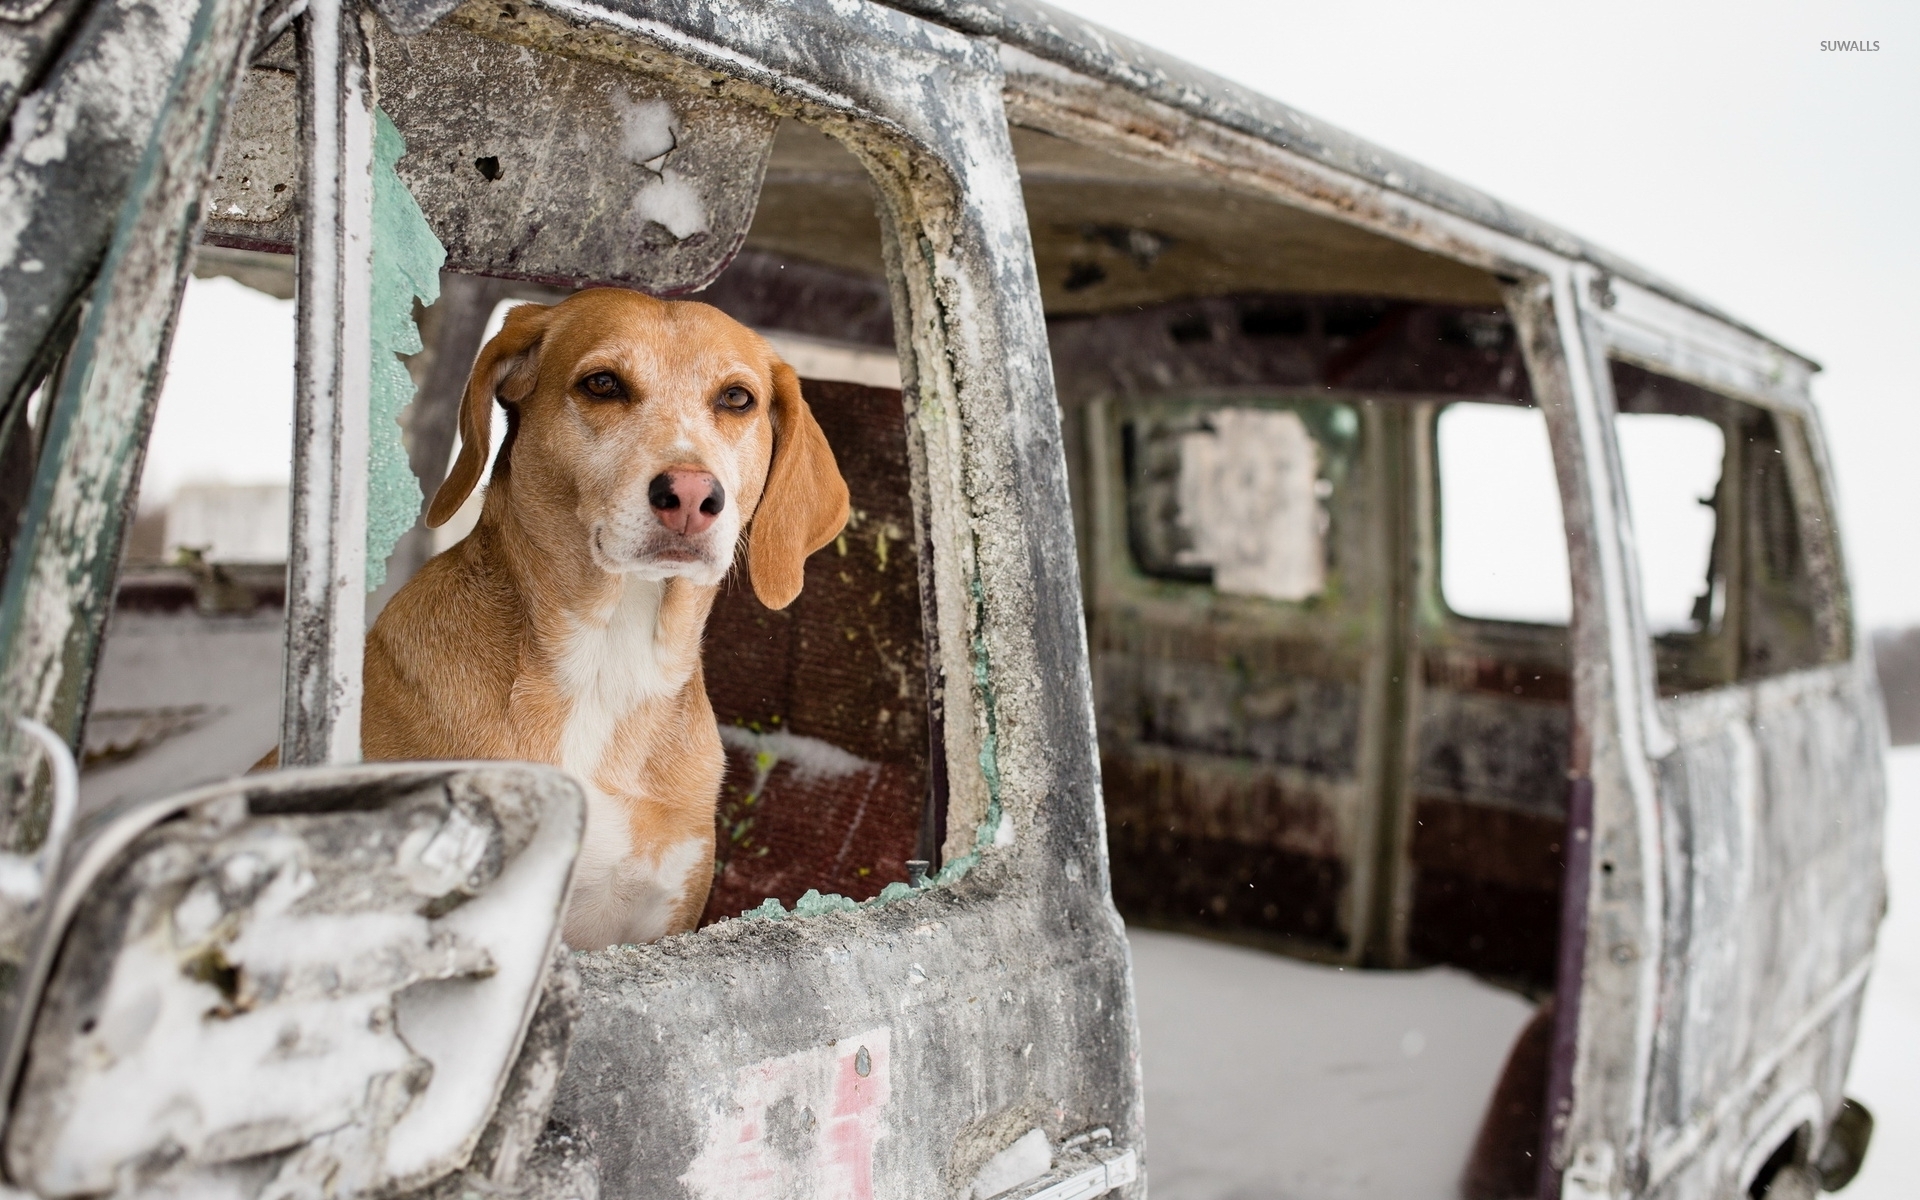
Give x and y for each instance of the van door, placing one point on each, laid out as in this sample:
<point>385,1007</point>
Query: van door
<point>1771,789</point>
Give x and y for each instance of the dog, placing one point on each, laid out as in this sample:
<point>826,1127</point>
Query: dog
<point>645,439</point>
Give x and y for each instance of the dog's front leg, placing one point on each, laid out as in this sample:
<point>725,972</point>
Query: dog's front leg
<point>643,873</point>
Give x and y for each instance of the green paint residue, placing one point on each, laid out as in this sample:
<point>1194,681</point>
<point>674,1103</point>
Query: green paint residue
<point>990,744</point>
<point>769,910</point>
<point>406,264</point>
<point>813,904</point>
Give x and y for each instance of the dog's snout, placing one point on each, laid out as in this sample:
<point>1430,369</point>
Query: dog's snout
<point>686,501</point>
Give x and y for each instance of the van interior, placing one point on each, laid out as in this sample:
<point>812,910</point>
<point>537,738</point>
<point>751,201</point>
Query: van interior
<point>1312,749</point>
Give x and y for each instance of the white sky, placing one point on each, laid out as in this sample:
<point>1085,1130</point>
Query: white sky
<point>1713,143</point>
<point>226,411</point>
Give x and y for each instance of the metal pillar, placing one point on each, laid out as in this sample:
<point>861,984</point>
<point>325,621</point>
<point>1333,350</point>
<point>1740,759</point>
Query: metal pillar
<point>326,567</point>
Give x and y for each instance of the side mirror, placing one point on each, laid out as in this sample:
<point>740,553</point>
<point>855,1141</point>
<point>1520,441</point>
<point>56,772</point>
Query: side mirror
<point>301,983</point>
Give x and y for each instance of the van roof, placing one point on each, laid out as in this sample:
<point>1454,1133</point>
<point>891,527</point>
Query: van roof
<point>1090,49</point>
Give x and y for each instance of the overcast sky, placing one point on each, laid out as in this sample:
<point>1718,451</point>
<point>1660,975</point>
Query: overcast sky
<point>1713,143</point>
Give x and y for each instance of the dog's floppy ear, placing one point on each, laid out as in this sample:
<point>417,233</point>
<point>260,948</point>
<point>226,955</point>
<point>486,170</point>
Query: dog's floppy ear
<point>505,366</point>
<point>805,504</point>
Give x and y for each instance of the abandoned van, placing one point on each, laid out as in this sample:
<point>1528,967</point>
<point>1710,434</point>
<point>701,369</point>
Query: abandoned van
<point>1252,536</point>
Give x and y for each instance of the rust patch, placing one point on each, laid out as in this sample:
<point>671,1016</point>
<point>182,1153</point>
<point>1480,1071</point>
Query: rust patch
<point>1218,799</point>
<point>1222,846</point>
<point>1500,932</point>
<point>1497,845</point>
<point>1163,879</point>
<point>1252,696</point>
<point>1490,749</point>
<point>1522,681</point>
<point>1505,1161</point>
<point>1486,892</point>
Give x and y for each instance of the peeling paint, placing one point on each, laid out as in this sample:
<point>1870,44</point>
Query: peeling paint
<point>406,266</point>
<point>333,994</point>
<point>804,1124</point>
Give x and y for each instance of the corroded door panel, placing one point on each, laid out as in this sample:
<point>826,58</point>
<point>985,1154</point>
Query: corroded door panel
<point>1771,808</point>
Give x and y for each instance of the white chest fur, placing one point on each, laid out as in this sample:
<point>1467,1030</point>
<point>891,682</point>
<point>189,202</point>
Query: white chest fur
<point>609,664</point>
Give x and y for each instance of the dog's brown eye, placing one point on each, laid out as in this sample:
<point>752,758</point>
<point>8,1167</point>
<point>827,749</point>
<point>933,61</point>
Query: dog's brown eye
<point>603,385</point>
<point>738,399</point>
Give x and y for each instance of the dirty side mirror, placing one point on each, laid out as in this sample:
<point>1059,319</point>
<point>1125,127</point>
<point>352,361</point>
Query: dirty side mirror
<point>304,981</point>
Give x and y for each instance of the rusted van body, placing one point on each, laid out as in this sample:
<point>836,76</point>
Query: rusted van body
<point>1143,387</point>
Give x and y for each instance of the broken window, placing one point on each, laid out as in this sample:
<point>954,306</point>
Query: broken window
<point>822,706</point>
<point>1672,464</point>
<point>188,683</point>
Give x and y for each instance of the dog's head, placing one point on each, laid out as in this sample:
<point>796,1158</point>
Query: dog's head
<point>655,431</point>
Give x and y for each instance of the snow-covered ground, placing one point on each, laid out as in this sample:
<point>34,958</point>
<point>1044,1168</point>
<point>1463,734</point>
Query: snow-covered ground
<point>1270,1079</point>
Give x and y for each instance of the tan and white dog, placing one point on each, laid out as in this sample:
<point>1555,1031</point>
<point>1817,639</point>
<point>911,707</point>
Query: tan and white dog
<point>644,439</point>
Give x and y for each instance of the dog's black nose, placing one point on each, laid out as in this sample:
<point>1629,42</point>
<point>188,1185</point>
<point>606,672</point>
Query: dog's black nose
<point>686,501</point>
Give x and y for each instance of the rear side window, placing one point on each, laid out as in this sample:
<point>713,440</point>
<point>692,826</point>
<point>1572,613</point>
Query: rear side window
<point>1503,545</point>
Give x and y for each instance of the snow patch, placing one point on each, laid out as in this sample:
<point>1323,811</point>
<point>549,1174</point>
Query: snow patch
<point>648,131</point>
<point>810,758</point>
<point>673,202</point>
<point>1028,1158</point>
<point>1270,1076</point>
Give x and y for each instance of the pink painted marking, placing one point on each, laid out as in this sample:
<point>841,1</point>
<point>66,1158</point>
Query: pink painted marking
<point>843,1110</point>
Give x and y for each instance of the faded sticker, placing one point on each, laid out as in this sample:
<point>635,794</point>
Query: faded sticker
<point>801,1125</point>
